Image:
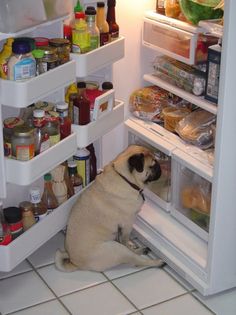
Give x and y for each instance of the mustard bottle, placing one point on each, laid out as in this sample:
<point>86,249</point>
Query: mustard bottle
<point>4,57</point>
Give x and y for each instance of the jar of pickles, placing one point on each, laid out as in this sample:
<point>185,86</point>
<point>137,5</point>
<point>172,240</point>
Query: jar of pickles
<point>23,143</point>
<point>50,58</point>
<point>62,46</point>
<point>9,124</point>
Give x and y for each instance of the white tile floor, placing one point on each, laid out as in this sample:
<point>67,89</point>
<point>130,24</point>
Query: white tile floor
<point>35,287</point>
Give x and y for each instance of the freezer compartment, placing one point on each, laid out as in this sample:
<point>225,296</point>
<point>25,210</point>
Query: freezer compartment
<point>160,190</point>
<point>99,58</point>
<point>22,94</point>
<point>191,203</point>
<point>16,15</point>
<point>26,172</point>
<point>176,39</point>
<point>104,123</point>
<point>18,250</point>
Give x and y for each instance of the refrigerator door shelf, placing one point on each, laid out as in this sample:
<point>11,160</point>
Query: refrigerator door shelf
<point>199,159</point>
<point>196,100</point>
<point>22,94</point>
<point>23,246</point>
<point>89,133</point>
<point>26,172</point>
<point>99,58</point>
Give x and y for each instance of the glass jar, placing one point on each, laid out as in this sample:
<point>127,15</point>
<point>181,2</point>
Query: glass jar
<point>62,46</point>
<point>9,124</point>
<point>52,127</point>
<point>28,218</point>
<point>13,217</point>
<point>50,58</point>
<point>65,122</point>
<point>23,143</point>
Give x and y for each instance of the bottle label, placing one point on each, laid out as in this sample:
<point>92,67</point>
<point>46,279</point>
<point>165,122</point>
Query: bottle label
<point>104,38</point>
<point>24,152</point>
<point>114,35</point>
<point>80,41</point>
<point>94,42</point>
<point>24,69</point>
<point>83,168</point>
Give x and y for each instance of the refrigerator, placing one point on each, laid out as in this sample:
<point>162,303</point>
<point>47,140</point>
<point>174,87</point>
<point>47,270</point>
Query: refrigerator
<point>202,253</point>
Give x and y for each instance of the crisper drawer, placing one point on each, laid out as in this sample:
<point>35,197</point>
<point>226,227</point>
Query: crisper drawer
<point>158,191</point>
<point>171,41</point>
<point>99,58</point>
<point>22,94</point>
<point>24,245</point>
<point>191,191</point>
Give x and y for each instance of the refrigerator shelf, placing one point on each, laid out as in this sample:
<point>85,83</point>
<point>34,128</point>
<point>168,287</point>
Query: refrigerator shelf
<point>19,249</point>
<point>22,94</point>
<point>99,58</point>
<point>87,134</point>
<point>25,172</point>
<point>197,100</point>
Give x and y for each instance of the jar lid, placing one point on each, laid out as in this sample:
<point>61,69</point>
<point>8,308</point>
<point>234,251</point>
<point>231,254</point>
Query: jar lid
<point>41,41</point>
<point>12,214</point>
<point>23,131</point>
<point>111,3</point>
<point>90,11</point>
<point>81,85</point>
<point>12,122</point>
<point>72,164</point>
<point>39,113</point>
<point>100,4</point>
<point>49,50</point>
<point>57,42</point>
<point>62,105</point>
<point>47,177</point>
<point>21,47</point>
<point>107,85</point>
<point>25,206</point>
<point>38,53</point>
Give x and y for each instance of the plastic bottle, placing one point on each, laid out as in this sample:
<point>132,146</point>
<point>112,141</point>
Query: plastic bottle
<point>65,122</point>
<point>93,162</point>
<point>81,106</point>
<point>38,55</point>
<point>90,16</point>
<point>80,34</point>
<point>39,208</point>
<point>102,24</point>
<point>58,184</point>
<point>22,64</point>
<point>76,179</point>
<point>4,57</point>
<point>111,20</point>
<point>82,158</point>
<point>42,141</point>
<point>48,196</point>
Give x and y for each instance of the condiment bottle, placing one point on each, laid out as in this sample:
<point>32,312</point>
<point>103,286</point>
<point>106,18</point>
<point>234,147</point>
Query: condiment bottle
<point>22,64</point>
<point>65,122</point>
<point>90,17</point>
<point>63,47</point>
<point>82,158</point>
<point>76,179</point>
<point>81,106</point>
<point>80,34</point>
<point>52,127</point>
<point>48,196</point>
<point>28,218</point>
<point>39,208</point>
<point>58,184</point>
<point>111,20</point>
<point>13,217</point>
<point>93,162</point>
<point>67,33</point>
<point>102,24</point>
<point>69,185</point>
<point>42,141</point>
<point>38,55</point>
<point>5,55</point>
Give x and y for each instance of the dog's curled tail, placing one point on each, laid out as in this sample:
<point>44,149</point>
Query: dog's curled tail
<point>63,263</point>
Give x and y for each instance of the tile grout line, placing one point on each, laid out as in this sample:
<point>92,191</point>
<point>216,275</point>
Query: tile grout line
<point>213,313</point>
<point>57,298</point>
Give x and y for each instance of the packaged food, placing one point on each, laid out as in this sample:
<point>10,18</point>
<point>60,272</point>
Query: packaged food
<point>172,8</point>
<point>198,128</point>
<point>147,103</point>
<point>180,74</point>
<point>172,115</point>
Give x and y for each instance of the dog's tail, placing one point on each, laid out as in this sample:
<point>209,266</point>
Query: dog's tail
<point>63,263</point>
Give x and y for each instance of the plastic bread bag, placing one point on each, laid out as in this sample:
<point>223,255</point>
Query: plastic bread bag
<point>147,103</point>
<point>198,128</point>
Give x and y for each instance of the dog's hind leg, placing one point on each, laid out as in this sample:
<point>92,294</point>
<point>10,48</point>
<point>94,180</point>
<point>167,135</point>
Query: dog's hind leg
<point>112,253</point>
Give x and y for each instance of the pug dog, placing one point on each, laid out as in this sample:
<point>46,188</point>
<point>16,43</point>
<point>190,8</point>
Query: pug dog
<point>100,222</point>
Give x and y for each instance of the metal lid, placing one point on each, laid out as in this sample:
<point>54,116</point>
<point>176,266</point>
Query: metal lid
<point>12,214</point>
<point>23,131</point>
<point>62,105</point>
<point>12,122</point>
<point>25,206</point>
<point>57,42</point>
<point>39,113</point>
<point>49,50</point>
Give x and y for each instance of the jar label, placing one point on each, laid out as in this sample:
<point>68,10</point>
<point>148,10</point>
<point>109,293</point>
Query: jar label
<point>83,168</point>
<point>104,38</point>
<point>24,152</point>
<point>45,145</point>
<point>24,69</point>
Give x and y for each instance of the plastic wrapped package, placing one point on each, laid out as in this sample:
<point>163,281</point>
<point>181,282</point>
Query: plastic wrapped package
<point>172,115</point>
<point>198,128</point>
<point>177,73</point>
<point>147,103</point>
